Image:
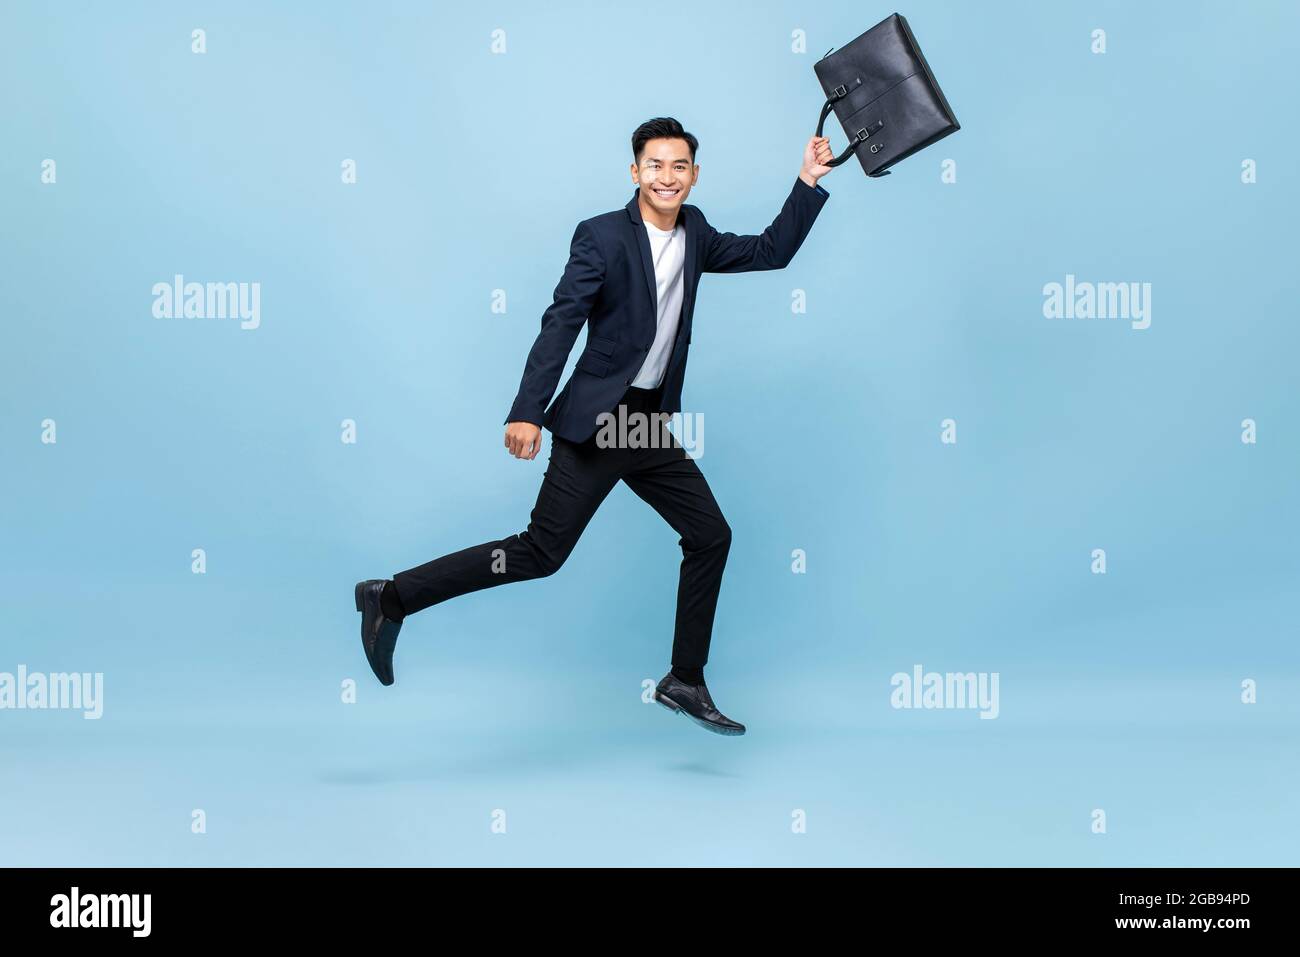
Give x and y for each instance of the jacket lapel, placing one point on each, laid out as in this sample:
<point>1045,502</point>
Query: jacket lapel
<point>648,266</point>
<point>643,243</point>
<point>688,276</point>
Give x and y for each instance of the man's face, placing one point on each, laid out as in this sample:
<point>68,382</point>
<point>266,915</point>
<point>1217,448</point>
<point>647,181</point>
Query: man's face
<point>665,174</point>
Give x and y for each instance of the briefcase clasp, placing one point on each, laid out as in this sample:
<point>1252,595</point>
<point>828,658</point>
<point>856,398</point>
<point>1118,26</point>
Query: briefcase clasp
<point>864,134</point>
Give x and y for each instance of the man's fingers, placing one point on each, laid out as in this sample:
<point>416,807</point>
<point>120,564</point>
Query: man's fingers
<point>523,442</point>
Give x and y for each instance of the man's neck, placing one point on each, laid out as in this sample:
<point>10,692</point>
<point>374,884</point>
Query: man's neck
<point>652,216</point>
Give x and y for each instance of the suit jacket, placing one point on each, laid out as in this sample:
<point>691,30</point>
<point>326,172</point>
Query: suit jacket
<point>609,283</point>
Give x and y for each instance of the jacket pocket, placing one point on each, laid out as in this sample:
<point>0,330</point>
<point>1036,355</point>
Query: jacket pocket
<point>601,345</point>
<point>593,363</point>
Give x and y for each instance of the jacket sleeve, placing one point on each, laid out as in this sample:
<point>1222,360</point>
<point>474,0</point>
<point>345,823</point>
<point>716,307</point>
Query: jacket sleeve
<point>575,294</point>
<point>776,245</point>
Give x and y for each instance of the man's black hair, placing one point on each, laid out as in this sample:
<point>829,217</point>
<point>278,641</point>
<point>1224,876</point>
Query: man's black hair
<point>661,127</point>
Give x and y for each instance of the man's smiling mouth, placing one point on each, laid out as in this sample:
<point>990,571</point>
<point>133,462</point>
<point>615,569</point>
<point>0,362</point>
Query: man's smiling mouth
<point>667,193</point>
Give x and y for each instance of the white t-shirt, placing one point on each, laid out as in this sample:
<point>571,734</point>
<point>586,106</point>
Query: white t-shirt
<point>668,250</point>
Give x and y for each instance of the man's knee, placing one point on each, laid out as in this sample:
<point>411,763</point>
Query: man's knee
<point>716,535</point>
<point>547,558</point>
<point>549,564</point>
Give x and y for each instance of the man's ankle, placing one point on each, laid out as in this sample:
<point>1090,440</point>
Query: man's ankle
<point>691,676</point>
<point>390,604</point>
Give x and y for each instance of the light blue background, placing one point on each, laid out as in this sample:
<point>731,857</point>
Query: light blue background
<point>1118,692</point>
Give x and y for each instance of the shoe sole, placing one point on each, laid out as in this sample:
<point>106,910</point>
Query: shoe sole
<point>674,706</point>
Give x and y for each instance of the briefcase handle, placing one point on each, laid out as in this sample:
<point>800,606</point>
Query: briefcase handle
<point>861,136</point>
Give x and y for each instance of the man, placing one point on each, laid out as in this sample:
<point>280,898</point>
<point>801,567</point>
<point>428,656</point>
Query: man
<point>631,276</point>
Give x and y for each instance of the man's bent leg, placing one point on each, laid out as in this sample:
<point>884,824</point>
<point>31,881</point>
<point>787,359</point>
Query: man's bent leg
<point>670,481</point>
<point>577,479</point>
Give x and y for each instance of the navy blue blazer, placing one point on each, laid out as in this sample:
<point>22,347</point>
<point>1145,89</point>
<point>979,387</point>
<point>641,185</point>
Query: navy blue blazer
<point>609,283</point>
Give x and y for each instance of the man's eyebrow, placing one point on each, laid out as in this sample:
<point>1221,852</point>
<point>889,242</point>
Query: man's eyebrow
<point>655,159</point>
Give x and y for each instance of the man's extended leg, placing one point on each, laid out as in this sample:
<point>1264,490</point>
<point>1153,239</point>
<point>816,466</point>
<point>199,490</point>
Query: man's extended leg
<point>577,479</point>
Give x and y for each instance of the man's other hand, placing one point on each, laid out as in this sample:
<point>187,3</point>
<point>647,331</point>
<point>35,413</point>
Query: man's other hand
<point>523,439</point>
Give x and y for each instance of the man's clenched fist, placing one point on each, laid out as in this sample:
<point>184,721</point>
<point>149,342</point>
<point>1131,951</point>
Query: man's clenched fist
<point>815,157</point>
<point>523,439</point>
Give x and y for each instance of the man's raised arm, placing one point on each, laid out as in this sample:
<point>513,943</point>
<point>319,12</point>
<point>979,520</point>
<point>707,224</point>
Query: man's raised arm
<point>776,245</point>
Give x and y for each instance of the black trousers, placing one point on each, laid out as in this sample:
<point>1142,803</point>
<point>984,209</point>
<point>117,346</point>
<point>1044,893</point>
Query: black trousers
<point>578,477</point>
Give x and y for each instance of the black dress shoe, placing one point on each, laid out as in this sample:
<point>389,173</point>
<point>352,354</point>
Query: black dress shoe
<point>378,634</point>
<point>695,702</point>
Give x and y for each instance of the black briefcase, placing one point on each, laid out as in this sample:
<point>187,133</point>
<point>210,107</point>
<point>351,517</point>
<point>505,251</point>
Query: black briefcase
<point>885,97</point>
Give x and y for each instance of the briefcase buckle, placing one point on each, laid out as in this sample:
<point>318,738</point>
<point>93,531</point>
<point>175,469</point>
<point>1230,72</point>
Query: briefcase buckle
<point>839,91</point>
<point>865,133</point>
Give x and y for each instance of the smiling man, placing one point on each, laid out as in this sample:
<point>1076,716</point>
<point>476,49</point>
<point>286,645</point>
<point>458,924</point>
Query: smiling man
<point>631,278</point>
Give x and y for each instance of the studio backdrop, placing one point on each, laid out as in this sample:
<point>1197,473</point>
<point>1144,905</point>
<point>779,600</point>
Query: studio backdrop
<point>1009,450</point>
